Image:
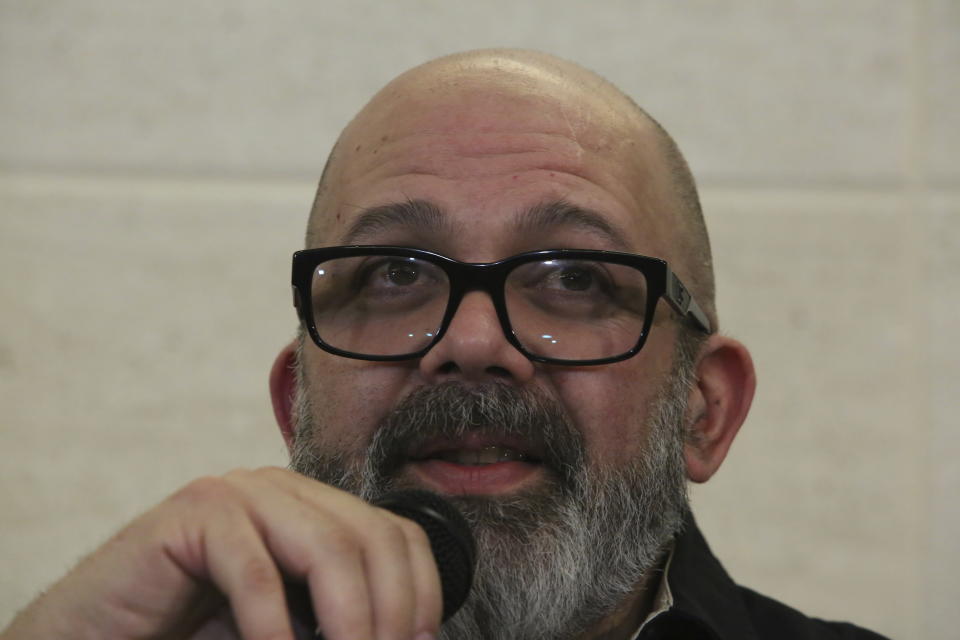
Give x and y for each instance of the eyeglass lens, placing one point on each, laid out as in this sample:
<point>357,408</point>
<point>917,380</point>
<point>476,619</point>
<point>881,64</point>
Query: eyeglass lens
<point>383,305</point>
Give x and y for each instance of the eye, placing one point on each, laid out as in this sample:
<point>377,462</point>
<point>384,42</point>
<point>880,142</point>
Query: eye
<point>401,273</point>
<point>575,279</point>
<point>384,271</point>
<point>571,276</point>
<point>395,275</point>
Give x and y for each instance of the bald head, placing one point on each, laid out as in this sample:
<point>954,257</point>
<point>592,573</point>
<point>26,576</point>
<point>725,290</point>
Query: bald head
<point>507,91</point>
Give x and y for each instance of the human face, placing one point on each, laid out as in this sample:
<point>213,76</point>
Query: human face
<point>489,162</point>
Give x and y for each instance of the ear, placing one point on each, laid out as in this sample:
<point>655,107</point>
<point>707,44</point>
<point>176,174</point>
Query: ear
<point>718,405</point>
<point>283,385</point>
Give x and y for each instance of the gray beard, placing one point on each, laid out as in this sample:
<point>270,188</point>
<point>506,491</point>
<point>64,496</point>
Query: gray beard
<point>551,562</point>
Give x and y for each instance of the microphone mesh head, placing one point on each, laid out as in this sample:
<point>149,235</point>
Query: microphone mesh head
<point>450,540</point>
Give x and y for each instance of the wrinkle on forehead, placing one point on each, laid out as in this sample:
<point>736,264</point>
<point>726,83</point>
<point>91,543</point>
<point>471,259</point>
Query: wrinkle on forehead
<point>427,219</point>
<point>484,103</point>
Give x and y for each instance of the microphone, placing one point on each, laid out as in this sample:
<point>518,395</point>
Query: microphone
<point>451,542</point>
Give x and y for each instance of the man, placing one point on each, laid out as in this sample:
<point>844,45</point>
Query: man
<point>561,396</point>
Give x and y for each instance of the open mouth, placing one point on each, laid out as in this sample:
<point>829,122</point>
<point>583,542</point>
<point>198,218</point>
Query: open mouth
<point>490,454</point>
<point>475,464</point>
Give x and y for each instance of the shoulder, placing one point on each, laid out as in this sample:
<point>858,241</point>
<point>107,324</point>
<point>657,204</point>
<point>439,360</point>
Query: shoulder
<point>706,597</point>
<point>773,619</point>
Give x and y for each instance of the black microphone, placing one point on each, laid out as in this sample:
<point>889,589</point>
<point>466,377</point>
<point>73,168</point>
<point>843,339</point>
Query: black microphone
<point>450,541</point>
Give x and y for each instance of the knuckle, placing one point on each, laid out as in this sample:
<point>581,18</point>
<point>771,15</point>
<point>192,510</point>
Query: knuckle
<point>392,535</point>
<point>415,533</point>
<point>258,576</point>
<point>338,540</point>
<point>203,490</point>
<point>238,475</point>
<point>399,530</point>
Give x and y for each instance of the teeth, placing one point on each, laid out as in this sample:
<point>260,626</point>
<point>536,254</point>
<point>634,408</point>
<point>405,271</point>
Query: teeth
<point>487,455</point>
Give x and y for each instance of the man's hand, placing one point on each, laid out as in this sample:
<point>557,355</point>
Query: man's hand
<point>370,573</point>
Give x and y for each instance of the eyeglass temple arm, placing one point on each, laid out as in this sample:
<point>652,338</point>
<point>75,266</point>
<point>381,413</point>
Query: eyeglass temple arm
<point>683,303</point>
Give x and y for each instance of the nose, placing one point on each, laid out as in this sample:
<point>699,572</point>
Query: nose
<point>474,348</point>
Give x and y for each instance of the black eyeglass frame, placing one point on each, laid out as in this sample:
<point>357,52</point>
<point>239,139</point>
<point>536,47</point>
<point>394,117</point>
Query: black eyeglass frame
<point>491,277</point>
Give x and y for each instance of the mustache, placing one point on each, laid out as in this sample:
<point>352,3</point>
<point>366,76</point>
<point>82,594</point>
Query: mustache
<point>451,410</point>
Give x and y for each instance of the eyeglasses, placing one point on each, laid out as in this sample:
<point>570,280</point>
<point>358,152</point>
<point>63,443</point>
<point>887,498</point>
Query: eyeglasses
<point>572,307</point>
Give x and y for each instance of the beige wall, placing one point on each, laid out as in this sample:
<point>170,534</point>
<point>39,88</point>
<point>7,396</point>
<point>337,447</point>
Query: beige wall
<point>157,162</point>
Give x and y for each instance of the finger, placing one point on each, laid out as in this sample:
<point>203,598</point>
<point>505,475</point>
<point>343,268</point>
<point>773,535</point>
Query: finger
<point>342,523</point>
<point>391,577</point>
<point>241,567</point>
<point>310,491</point>
<point>316,544</point>
<point>425,587</point>
<point>340,589</point>
<point>426,579</point>
<point>382,548</point>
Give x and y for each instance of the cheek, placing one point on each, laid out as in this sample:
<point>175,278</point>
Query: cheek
<point>611,404</point>
<point>350,397</point>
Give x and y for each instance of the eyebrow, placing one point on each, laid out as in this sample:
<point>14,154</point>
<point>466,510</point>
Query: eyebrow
<point>559,213</point>
<point>428,218</point>
<point>415,215</point>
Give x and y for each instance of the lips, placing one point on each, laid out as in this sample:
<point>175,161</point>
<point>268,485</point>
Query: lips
<point>488,455</point>
<point>477,449</point>
<point>475,463</point>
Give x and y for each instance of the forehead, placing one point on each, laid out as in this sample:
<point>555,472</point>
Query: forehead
<point>492,163</point>
<point>425,221</point>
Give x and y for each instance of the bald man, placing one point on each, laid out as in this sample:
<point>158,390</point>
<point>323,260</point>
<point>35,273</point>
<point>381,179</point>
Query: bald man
<point>506,299</point>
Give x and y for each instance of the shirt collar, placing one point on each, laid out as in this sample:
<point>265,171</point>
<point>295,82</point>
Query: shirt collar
<point>663,600</point>
<point>696,598</point>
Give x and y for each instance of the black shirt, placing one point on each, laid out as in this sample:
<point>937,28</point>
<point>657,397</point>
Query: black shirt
<point>708,605</point>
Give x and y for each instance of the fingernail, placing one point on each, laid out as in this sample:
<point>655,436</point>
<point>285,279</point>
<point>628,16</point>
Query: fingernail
<point>425,635</point>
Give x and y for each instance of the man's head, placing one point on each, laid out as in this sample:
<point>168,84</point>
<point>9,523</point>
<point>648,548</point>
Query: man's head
<point>513,152</point>
<point>581,105</point>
